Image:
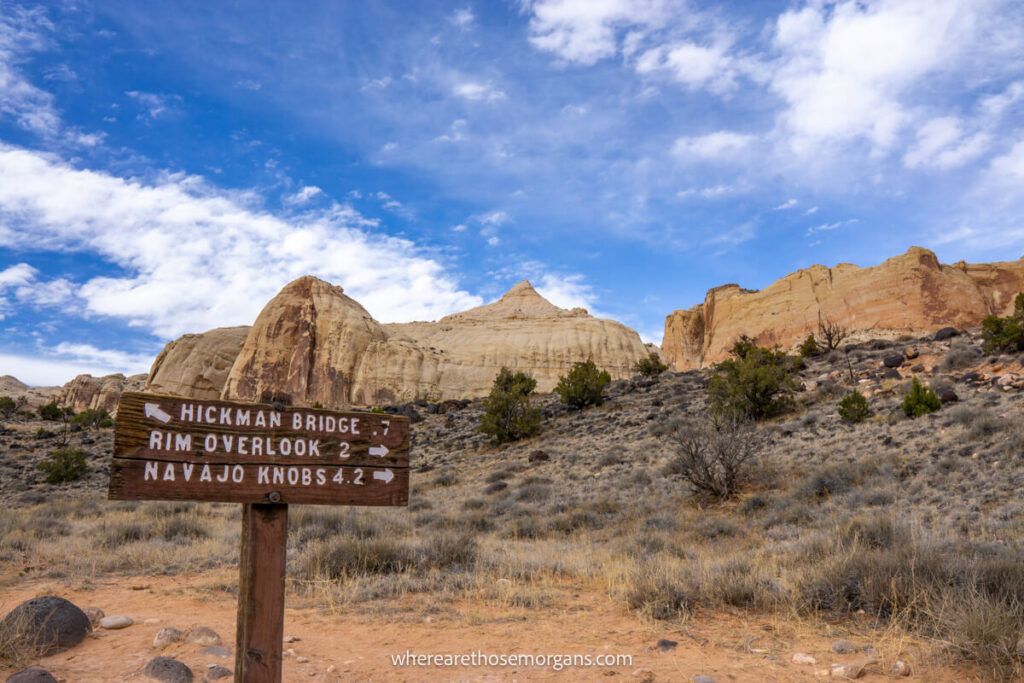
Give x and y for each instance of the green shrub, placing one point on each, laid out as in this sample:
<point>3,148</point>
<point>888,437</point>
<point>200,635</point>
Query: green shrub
<point>8,406</point>
<point>583,386</point>
<point>650,366</point>
<point>920,400</point>
<point>64,465</point>
<point>508,414</point>
<point>1005,334</point>
<point>809,347</point>
<point>94,418</point>
<point>854,407</point>
<point>755,383</point>
<point>52,411</point>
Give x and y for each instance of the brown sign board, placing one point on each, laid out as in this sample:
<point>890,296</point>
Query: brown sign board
<point>175,448</point>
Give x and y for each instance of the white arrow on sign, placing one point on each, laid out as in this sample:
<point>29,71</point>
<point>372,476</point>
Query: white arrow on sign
<point>386,476</point>
<point>154,411</point>
<point>379,451</point>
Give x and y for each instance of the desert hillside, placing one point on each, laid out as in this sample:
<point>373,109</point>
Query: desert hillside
<point>909,294</point>
<point>864,549</point>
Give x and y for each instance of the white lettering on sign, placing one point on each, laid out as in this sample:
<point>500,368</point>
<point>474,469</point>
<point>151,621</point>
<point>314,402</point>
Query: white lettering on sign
<point>325,424</point>
<point>220,415</point>
<point>268,475</point>
<point>169,441</point>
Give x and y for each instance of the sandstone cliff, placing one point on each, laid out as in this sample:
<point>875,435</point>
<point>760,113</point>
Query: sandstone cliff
<point>85,391</point>
<point>908,294</point>
<point>197,365</point>
<point>313,344</point>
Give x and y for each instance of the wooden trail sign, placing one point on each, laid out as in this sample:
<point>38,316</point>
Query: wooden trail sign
<point>266,457</point>
<point>172,448</point>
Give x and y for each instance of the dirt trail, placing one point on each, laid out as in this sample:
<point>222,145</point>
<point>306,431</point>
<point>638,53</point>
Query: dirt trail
<point>341,647</point>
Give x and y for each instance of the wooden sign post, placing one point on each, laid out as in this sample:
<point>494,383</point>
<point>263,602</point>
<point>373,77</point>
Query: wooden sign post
<point>266,457</point>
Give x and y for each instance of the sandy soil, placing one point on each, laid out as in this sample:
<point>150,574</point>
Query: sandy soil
<point>343,647</point>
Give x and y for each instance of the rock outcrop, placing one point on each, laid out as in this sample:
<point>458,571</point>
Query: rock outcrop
<point>28,397</point>
<point>85,391</point>
<point>197,365</point>
<point>523,331</point>
<point>306,347</point>
<point>313,344</point>
<point>910,294</point>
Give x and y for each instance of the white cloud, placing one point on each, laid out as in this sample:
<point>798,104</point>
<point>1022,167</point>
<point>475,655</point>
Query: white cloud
<point>586,31</point>
<point>54,367</point>
<point>719,145</point>
<point>734,236</point>
<point>18,274</point>
<point>155,105</point>
<point>196,257</point>
<point>463,18</point>
<point>456,132</point>
<point>828,227</point>
<point>23,31</point>
<point>303,196</point>
<point>130,363</point>
<point>566,291</point>
<point>941,143</point>
<point>788,204</point>
<point>811,211</point>
<point>478,92</point>
<point>847,70</point>
<point>493,218</point>
<point>995,106</point>
<point>22,282</point>
<point>710,191</point>
<point>1008,169</point>
<point>692,65</point>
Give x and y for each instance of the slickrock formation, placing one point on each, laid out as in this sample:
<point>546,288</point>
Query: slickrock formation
<point>313,344</point>
<point>908,294</point>
<point>85,391</point>
<point>197,365</point>
<point>306,344</point>
<point>522,331</point>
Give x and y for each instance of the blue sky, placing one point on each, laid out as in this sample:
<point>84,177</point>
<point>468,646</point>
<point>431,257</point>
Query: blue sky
<point>167,167</point>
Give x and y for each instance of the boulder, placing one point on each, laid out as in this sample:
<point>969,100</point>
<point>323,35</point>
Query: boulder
<point>944,333</point>
<point>893,360</point>
<point>167,636</point>
<point>908,294</point>
<point>947,395</point>
<point>202,635</point>
<point>168,670</point>
<point>116,622</point>
<point>217,672</point>
<point>33,675</point>
<point>48,625</point>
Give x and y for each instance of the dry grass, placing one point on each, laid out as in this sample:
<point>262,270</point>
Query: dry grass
<point>917,523</point>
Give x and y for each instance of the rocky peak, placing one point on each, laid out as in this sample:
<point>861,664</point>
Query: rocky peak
<point>522,302</point>
<point>304,347</point>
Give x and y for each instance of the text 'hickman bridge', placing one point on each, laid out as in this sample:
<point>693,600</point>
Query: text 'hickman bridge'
<point>345,428</point>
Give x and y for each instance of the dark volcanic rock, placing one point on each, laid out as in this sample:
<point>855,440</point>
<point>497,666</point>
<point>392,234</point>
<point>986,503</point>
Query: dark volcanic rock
<point>48,624</point>
<point>947,395</point>
<point>945,333</point>
<point>168,670</point>
<point>33,675</point>
<point>893,360</point>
